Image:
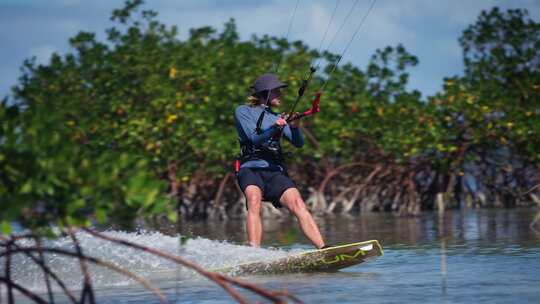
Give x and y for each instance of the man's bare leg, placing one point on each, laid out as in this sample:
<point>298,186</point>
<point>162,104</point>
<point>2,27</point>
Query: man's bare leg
<point>293,201</point>
<point>253,220</point>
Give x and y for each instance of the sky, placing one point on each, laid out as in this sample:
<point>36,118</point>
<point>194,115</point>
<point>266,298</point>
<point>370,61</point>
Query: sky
<point>428,29</point>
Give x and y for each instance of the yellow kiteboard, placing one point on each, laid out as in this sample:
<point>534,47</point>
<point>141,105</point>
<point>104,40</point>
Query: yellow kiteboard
<point>328,259</point>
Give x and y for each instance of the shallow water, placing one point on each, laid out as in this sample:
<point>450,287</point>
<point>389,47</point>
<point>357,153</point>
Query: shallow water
<point>464,256</point>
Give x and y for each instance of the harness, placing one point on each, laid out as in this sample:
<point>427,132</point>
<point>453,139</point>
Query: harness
<point>270,152</point>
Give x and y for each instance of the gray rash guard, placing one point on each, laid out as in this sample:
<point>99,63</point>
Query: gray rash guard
<point>246,122</point>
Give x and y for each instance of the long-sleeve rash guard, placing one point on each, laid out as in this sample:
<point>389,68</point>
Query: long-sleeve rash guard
<point>246,122</point>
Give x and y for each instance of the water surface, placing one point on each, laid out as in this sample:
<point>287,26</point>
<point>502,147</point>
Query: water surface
<point>468,256</point>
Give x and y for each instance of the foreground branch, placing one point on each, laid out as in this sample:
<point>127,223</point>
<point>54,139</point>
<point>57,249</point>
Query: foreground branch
<point>94,260</point>
<point>87,289</point>
<point>47,271</point>
<point>23,290</point>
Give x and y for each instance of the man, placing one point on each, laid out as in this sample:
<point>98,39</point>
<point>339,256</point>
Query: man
<point>263,174</point>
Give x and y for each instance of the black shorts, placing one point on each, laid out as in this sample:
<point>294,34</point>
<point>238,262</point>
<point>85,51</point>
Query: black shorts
<point>271,182</point>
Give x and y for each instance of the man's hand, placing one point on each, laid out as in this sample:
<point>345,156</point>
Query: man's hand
<point>281,122</point>
<point>294,121</point>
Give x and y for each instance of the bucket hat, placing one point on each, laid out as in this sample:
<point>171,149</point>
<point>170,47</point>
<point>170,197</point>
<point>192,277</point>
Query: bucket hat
<point>266,82</point>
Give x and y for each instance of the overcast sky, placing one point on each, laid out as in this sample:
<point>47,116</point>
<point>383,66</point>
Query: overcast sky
<point>428,29</point>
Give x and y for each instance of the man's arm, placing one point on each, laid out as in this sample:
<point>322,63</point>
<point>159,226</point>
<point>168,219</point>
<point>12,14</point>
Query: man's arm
<point>294,135</point>
<point>248,125</point>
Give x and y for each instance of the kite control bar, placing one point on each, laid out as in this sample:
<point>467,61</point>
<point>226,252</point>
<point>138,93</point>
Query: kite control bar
<point>314,108</point>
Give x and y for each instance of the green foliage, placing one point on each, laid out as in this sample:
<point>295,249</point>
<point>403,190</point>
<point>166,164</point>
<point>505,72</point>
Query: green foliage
<point>493,105</point>
<point>386,72</point>
<point>47,178</point>
<point>502,70</point>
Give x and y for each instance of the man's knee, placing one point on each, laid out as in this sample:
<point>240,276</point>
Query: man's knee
<point>254,206</point>
<point>297,205</point>
<point>254,202</point>
<point>253,197</point>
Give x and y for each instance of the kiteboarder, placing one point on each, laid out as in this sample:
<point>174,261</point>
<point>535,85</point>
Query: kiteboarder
<point>262,174</point>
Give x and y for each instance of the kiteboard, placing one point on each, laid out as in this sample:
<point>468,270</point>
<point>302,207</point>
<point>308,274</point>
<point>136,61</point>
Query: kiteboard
<point>328,259</point>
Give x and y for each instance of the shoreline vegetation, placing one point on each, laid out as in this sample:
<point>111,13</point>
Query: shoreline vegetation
<point>140,125</point>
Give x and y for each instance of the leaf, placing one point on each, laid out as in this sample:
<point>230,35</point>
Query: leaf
<point>101,215</point>
<point>172,216</point>
<point>26,188</point>
<point>5,228</point>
